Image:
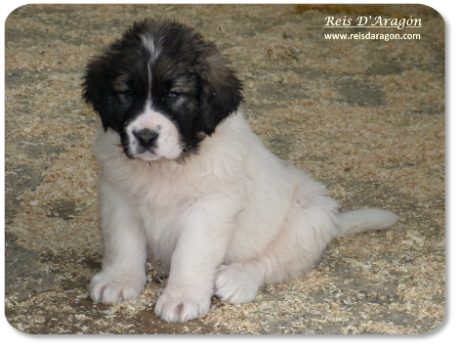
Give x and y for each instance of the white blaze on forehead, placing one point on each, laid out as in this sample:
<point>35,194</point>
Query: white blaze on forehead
<point>149,44</point>
<point>168,144</point>
<point>154,50</point>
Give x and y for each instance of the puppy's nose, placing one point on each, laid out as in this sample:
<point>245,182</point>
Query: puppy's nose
<point>146,137</point>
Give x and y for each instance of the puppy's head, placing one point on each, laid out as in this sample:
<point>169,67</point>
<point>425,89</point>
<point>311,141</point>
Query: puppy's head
<point>162,88</point>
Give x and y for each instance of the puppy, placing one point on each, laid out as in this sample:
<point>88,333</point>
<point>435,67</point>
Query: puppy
<point>184,181</point>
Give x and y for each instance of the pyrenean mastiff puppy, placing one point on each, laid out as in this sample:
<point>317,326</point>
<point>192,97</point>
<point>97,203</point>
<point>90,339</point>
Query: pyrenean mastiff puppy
<point>185,182</point>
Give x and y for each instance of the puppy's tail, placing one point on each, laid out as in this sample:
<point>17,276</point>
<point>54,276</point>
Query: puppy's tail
<point>365,220</point>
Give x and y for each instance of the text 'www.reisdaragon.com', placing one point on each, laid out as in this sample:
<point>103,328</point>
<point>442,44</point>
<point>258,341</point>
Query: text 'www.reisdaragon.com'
<point>372,36</point>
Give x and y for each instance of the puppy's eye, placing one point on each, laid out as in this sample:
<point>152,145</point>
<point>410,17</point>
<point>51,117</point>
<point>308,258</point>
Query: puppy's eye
<point>126,93</point>
<point>172,94</point>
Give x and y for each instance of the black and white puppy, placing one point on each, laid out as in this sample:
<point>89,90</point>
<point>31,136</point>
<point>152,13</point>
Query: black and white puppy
<point>184,181</point>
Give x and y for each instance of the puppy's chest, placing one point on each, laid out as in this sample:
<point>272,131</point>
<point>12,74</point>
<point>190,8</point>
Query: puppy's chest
<point>162,204</point>
<point>164,200</point>
<point>164,220</point>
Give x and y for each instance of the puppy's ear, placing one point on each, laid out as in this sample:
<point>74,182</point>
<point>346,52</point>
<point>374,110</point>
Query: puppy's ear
<point>221,90</point>
<point>96,91</point>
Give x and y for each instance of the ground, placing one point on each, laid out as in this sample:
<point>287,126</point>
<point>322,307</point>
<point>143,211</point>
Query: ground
<point>366,117</point>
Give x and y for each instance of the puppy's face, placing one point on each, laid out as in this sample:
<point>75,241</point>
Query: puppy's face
<point>162,88</point>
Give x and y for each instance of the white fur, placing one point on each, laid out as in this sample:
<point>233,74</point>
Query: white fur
<point>230,219</point>
<point>149,43</point>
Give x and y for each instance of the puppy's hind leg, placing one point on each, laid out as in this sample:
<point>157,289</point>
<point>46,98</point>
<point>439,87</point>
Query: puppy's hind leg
<point>295,250</point>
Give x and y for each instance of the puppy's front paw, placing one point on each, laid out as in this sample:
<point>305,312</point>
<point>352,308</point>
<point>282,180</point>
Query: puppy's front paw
<point>180,306</point>
<point>235,284</point>
<point>109,289</point>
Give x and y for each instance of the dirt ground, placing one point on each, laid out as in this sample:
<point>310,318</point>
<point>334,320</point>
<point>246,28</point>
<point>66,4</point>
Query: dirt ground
<point>364,116</point>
